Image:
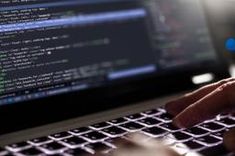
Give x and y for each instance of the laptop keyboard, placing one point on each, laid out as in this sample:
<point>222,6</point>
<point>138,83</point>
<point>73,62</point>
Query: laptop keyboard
<point>205,138</point>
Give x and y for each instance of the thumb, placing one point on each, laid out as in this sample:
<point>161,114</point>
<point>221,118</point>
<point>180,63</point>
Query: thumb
<point>229,140</point>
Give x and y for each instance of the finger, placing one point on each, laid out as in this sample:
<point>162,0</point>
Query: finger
<point>151,147</point>
<point>178,105</point>
<point>127,143</point>
<point>139,139</point>
<point>219,101</point>
<point>121,144</point>
<point>145,152</point>
<point>144,146</point>
<point>229,140</point>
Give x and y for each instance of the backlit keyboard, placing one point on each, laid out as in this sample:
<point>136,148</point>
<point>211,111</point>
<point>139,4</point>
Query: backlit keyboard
<point>205,138</point>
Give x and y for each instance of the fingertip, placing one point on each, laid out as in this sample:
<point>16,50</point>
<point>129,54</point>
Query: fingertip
<point>178,122</point>
<point>186,119</point>
<point>229,140</point>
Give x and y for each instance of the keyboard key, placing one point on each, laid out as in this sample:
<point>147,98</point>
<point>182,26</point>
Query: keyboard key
<point>94,136</point>
<point>169,127</point>
<point>99,126</point>
<point>220,134</point>
<point>77,151</point>
<point>212,127</point>
<point>115,142</point>
<point>99,147</point>
<point>40,140</point>
<point>227,122</point>
<point>114,131</point>
<point>131,136</point>
<point>155,131</point>
<point>208,140</point>
<point>61,135</point>
<point>132,126</point>
<point>152,112</point>
<point>3,151</point>
<point>196,132</point>
<point>118,121</point>
<point>149,121</point>
<point>74,141</point>
<point>81,130</point>
<point>217,150</point>
<point>18,146</point>
<point>180,136</point>
<point>53,146</point>
<point>165,117</point>
<point>31,151</point>
<point>194,145</point>
<point>134,116</point>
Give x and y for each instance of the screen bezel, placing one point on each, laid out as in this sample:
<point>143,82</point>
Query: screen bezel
<point>121,93</point>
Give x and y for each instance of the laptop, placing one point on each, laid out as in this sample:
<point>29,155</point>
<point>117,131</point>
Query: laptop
<point>76,74</point>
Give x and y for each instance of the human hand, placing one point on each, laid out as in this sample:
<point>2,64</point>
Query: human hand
<point>205,103</point>
<point>140,145</point>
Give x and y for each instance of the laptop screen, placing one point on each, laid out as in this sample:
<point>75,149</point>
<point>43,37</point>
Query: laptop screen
<point>53,47</point>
